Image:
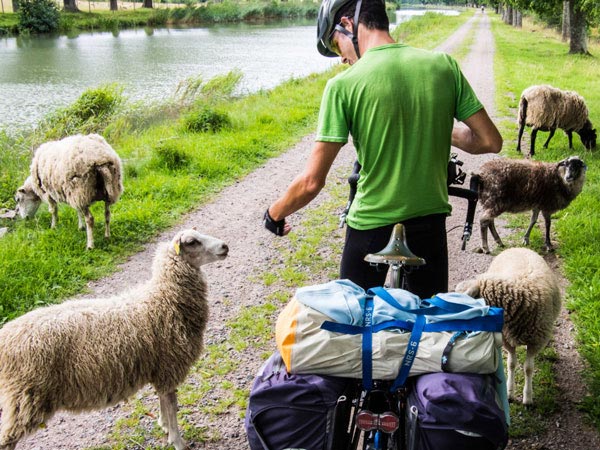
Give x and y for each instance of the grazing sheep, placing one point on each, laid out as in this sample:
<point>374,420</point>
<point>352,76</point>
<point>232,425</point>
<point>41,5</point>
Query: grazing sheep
<point>89,354</point>
<point>546,108</point>
<point>78,170</point>
<point>520,281</point>
<point>511,185</point>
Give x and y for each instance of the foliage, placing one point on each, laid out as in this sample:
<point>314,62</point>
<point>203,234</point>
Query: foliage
<point>38,16</point>
<point>206,119</point>
<point>89,114</point>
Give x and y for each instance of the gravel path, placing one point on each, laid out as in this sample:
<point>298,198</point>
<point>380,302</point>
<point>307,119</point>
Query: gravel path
<point>234,216</point>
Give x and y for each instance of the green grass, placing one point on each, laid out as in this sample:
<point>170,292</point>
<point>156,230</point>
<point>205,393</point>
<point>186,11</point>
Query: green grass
<point>430,30</point>
<point>534,55</point>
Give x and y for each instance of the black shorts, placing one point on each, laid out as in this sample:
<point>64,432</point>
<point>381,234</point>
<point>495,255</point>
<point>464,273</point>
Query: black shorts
<point>426,237</point>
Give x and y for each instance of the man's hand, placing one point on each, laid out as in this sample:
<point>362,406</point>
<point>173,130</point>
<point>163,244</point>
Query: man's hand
<point>277,227</point>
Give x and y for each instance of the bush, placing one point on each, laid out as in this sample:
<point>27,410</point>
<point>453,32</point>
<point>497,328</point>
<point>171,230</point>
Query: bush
<point>38,16</point>
<point>205,120</point>
<point>168,155</point>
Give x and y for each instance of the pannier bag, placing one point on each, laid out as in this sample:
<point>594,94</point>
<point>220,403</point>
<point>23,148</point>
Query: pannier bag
<point>295,411</point>
<point>332,328</point>
<point>447,411</point>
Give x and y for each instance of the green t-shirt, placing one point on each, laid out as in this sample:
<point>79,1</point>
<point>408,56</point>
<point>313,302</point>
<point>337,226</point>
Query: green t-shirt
<point>399,105</point>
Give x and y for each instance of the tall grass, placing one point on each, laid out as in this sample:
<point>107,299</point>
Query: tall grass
<point>534,55</point>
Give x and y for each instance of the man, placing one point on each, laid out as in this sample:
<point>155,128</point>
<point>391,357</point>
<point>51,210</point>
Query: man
<point>399,104</point>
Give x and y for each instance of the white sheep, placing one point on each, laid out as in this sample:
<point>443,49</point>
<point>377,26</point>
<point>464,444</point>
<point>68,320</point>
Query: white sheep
<point>520,281</point>
<point>514,185</point>
<point>78,170</point>
<point>547,108</point>
<point>89,354</point>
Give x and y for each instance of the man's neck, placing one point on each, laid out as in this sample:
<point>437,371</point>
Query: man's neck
<point>368,39</point>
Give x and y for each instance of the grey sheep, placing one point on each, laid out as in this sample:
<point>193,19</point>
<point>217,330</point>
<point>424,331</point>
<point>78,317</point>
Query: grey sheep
<point>78,170</point>
<point>513,185</point>
<point>520,281</point>
<point>89,354</point>
<point>546,108</point>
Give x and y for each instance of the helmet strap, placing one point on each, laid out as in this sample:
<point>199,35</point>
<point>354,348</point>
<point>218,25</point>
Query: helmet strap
<point>355,28</point>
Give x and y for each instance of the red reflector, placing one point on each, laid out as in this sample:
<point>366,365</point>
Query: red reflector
<point>366,420</point>
<point>388,422</point>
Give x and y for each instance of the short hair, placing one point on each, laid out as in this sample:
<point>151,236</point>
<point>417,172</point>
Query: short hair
<point>372,14</point>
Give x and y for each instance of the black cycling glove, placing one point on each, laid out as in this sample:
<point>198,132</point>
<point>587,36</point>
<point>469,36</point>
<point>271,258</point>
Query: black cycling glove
<point>274,226</point>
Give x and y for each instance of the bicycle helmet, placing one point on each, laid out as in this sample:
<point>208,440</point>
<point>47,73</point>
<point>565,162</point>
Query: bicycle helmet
<point>326,25</point>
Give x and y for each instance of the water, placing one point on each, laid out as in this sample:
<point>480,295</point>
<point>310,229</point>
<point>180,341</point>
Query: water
<point>39,74</point>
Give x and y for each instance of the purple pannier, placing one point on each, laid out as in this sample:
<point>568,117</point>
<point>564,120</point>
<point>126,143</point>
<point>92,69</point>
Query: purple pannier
<point>450,411</point>
<point>292,411</point>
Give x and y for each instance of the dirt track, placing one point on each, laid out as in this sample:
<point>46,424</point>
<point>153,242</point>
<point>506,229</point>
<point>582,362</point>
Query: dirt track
<point>235,216</point>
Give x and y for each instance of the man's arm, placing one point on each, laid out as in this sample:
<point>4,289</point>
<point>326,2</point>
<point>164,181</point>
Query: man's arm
<point>479,136</point>
<point>307,185</point>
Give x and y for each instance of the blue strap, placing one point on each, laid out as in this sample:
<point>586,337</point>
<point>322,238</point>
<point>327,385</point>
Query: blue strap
<point>446,305</point>
<point>390,300</point>
<point>367,345</point>
<point>411,353</point>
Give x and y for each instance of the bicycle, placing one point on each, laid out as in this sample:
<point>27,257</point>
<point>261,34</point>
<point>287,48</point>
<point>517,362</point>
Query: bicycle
<point>377,416</point>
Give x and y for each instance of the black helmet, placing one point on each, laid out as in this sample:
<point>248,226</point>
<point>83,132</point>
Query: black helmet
<point>326,25</point>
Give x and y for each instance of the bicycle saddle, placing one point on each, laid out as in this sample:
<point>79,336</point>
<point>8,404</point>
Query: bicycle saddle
<point>396,251</point>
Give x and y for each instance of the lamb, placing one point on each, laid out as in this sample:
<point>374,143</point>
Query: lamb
<point>547,108</point>
<point>520,281</point>
<point>511,185</point>
<point>89,354</point>
<point>78,170</point>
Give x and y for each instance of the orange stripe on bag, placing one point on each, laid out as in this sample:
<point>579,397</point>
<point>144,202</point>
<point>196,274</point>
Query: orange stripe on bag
<point>285,331</point>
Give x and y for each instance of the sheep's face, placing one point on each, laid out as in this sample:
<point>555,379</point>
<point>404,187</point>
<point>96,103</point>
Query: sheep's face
<point>198,249</point>
<point>572,169</point>
<point>469,287</point>
<point>588,137</point>
<point>27,201</point>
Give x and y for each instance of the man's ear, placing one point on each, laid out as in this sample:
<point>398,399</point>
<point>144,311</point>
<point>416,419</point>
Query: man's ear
<point>347,23</point>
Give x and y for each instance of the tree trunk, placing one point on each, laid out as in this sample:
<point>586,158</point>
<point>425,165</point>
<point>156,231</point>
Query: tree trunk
<point>15,5</point>
<point>147,4</point>
<point>518,19</point>
<point>566,20</point>
<point>578,31</point>
<point>113,5</point>
<point>70,5</point>
<point>509,15</point>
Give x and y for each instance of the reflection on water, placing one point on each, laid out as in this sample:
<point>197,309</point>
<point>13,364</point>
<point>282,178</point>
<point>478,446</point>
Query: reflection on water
<point>39,74</point>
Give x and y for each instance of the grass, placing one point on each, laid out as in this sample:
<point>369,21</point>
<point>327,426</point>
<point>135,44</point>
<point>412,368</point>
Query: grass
<point>169,172</point>
<point>534,55</point>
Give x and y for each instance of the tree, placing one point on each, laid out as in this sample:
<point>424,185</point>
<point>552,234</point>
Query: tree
<point>566,20</point>
<point>147,4</point>
<point>38,16</point>
<point>578,29</point>
<point>70,5</point>
<point>113,5</point>
<point>15,5</point>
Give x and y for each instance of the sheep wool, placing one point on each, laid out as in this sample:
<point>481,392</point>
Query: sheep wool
<point>547,108</point>
<point>519,281</point>
<point>514,185</point>
<point>89,354</point>
<point>78,170</point>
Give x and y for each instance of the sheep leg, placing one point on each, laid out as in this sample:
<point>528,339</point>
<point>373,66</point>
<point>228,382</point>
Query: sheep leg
<point>521,128</point>
<point>20,417</point>
<point>534,217</point>
<point>106,220</point>
<point>53,211</point>
<point>168,409</point>
<point>495,233</point>
<point>484,224</point>
<point>89,227</point>
<point>528,369</point>
<point>532,147</point>
<point>80,220</point>
<point>547,220</point>
<point>570,136</point>
<point>511,363</point>
<point>552,130</point>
